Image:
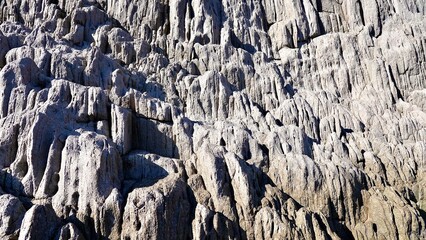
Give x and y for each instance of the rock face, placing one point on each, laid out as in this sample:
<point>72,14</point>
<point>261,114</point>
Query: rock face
<point>222,119</point>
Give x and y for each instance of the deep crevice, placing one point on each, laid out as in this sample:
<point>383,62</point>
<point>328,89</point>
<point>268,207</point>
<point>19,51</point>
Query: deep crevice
<point>361,12</point>
<point>392,78</point>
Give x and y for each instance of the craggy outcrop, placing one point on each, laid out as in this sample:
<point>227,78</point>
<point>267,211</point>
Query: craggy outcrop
<point>222,119</point>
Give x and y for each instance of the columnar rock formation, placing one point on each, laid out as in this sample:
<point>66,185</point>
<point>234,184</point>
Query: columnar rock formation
<point>221,119</point>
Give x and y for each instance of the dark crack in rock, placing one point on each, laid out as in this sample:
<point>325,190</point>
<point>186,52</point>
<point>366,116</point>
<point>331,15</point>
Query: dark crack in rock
<point>222,119</point>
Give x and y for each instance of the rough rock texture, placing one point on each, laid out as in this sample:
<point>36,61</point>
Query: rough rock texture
<point>222,119</point>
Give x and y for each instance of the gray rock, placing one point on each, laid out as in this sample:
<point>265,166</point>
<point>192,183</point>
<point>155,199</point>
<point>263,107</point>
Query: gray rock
<point>12,213</point>
<point>167,205</point>
<point>273,119</point>
<point>39,222</point>
<point>121,45</point>
<point>90,174</point>
<point>69,231</point>
<point>4,49</point>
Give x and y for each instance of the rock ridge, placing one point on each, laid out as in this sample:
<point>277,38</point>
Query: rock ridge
<point>222,119</point>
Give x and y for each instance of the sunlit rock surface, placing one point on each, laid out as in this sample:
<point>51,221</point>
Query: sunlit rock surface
<point>180,119</point>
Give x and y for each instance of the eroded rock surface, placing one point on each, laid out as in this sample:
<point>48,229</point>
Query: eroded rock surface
<point>223,119</point>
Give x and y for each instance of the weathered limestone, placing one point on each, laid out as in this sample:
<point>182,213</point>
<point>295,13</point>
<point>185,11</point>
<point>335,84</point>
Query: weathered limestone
<point>224,119</point>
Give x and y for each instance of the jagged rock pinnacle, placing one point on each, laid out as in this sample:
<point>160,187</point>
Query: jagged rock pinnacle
<point>221,119</point>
